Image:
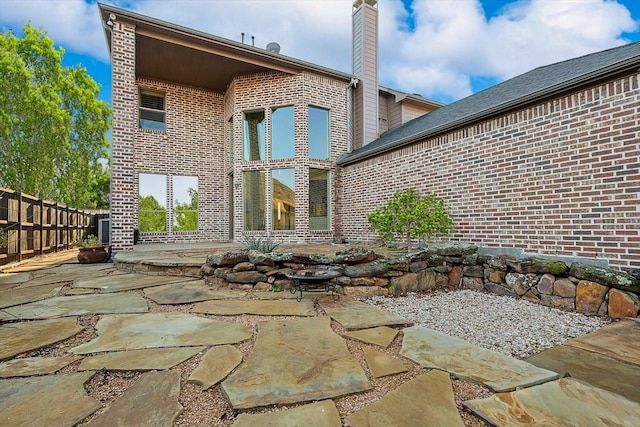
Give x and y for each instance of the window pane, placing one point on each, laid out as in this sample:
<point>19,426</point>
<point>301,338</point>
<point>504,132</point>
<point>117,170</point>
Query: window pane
<point>282,133</point>
<point>152,112</point>
<point>283,188</point>
<point>318,133</point>
<point>253,137</point>
<point>319,191</point>
<point>254,200</point>
<point>185,203</point>
<point>152,198</point>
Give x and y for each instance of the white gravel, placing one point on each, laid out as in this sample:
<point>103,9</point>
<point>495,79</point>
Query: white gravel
<point>513,327</point>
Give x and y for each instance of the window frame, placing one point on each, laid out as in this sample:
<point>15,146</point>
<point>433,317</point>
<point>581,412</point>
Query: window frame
<point>142,122</point>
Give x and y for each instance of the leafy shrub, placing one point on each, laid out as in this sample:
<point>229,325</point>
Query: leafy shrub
<point>410,216</point>
<point>4,238</point>
<point>88,241</point>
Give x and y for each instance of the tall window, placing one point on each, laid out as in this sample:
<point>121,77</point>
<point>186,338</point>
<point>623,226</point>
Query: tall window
<point>230,135</point>
<point>282,133</point>
<point>185,203</point>
<point>318,133</point>
<point>152,203</point>
<point>319,199</point>
<point>283,190</point>
<point>254,145</point>
<point>152,111</point>
<point>254,200</point>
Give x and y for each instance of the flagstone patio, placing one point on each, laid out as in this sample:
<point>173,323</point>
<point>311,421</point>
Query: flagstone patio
<point>289,357</point>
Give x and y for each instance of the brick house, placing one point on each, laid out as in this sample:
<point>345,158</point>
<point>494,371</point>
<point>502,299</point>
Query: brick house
<point>546,162</point>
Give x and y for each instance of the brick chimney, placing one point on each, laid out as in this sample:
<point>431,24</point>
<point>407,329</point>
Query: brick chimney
<point>365,67</point>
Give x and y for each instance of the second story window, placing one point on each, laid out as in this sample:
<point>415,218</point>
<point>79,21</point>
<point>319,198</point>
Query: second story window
<point>318,133</point>
<point>152,111</point>
<point>253,138</point>
<point>282,133</point>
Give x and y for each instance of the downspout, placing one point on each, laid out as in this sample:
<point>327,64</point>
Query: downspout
<point>352,84</point>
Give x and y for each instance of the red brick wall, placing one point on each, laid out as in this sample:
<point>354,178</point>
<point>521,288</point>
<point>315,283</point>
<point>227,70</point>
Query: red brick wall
<point>560,178</point>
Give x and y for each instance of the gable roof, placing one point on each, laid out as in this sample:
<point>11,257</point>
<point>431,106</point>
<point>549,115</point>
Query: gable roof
<point>532,86</point>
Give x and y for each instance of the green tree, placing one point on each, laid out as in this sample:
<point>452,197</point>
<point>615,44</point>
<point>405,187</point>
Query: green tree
<point>153,216</point>
<point>411,217</point>
<point>186,214</point>
<point>52,124</point>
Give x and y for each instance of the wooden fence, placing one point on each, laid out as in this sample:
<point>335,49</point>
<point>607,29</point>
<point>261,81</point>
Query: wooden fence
<point>36,227</point>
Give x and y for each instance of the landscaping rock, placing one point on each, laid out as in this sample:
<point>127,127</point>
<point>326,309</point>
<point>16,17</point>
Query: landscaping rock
<point>222,272</point>
<point>399,264</point>
<point>246,277</point>
<point>454,276</point>
<point>369,269</point>
<point>537,265</point>
<point>498,289</point>
<point>623,304</point>
<point>259,258</point>
<point>545,284</point>
<point>417,266</point>
<point>455,249</point>
<point>495,276</point>
<point>264,268</point>
<point>605,276</point>
<point>355,256</point>
<point>564,288</point>
<point>498,262</point>
<point>474,283</point>
<point>405,284</point>
<point>473,271</point>
<point>225,259</point>
<point>589,296</point>
<point>262,286</point>
<point>364,291</point>
<point>207,270</point>
<point>244,266</point>
<point>531,297</point>
<point>566,304</point>
<point>520,283</point>
<point>470,260</point>
<point>434,261</point>
<point>427,280</point>
<point>309,259</point>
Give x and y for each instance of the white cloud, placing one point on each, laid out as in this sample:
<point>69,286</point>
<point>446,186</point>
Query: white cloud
<point>453,41</point>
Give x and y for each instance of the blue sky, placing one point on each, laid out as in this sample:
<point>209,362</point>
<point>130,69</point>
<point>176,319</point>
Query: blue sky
<point>441,49</point>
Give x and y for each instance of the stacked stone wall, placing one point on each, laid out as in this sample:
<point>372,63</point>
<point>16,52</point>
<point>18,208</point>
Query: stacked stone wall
<point>557,178</point>
<point>583,288</point>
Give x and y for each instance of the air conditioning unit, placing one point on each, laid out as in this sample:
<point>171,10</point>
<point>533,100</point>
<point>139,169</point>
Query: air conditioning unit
<point>104,231</point>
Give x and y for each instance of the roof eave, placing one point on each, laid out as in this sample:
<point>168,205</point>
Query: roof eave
<point>501,108</point>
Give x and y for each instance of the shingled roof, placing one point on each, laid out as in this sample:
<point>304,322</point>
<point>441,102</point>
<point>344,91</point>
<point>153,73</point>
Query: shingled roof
<point>524,89</point>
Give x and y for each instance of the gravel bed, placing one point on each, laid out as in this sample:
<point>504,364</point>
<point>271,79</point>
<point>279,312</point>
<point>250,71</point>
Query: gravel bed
<point>514,327</point>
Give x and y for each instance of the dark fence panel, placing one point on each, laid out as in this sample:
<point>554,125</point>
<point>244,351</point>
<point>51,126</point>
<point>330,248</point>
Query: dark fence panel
<point>37,227</point>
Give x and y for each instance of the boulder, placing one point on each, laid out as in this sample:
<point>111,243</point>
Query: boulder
<point>473,271</point>
<point>355,256</point>
<point>244,266</point>
<point>262,286</point>
<point>227,259</point>
<point>498,262</point>
<point>566,304</point>
<point>405,284</point>
<point>246,277</point>
<point>309,259</point>
<point>495,276</point>
<point>545,284</point>
<point>259,258</point>
<point>399,264</point>
<point>531,297</point>
<point>222,272</point>
<point>470,259</point>
<point>435,261</point>
<point>520,283</point>
<point>454,249</point>
<point>537,266</point>
<point>207,270</point>
<point>498,289</point>
<point>417,266</point>
<point>454,276</point>
<point>605,276</point>
<point>474,283</point>
<point>364,291</point>
<point>589,296</point>
<point>623,304</point>
<point>427,280</point>
<point>369,269</point>
<point>564,288</point>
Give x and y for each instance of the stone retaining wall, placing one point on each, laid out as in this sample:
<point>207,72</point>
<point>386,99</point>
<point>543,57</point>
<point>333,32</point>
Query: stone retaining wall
<point>580,287</point>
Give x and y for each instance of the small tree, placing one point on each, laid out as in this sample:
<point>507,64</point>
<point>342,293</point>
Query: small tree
<point>412,217</point>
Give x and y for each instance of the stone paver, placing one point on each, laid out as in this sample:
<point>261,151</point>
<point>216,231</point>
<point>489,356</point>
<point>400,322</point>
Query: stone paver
<point>50,400</point>
<point>187,292</point>
<point>13,278</point>
<point>381,364</point>
<point>126,282</point>
<point>23,295</point>
<point>75,305</point>
<point>16,338</point>
<point>293,361</point>
<point>564,402</point>
<point>596,369</point>
<point>34,366</point>
<point>618,340</point>
<point>426,400</point>
<point>359,315</point>
<point>153,330</point>
<point>151,401</point>
<point>256,307</point>
<point>215,365</point>
<point>139,360</point>
<point>433,349</point>
<point>318,414</point>
<point>381,336</point>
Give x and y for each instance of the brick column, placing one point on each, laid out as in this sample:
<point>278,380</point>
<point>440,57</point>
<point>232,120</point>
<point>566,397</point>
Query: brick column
<point>123,101</point>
